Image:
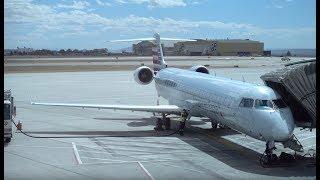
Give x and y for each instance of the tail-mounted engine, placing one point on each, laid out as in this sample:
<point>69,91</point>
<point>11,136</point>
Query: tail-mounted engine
<point>143,75</point>
<point>200,69</point>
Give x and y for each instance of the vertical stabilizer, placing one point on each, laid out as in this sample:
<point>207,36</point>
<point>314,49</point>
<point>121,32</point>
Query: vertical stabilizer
<point>158,59</point>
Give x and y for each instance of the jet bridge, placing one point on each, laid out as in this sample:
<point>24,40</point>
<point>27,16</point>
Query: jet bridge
<point>296,83</point>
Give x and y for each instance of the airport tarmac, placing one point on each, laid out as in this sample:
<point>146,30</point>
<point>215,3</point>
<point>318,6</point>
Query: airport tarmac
<point>138,152</point>
<point>71,64</point>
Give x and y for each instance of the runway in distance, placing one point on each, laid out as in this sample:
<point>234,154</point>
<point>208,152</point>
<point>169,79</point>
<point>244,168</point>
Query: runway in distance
<point>255,110</point>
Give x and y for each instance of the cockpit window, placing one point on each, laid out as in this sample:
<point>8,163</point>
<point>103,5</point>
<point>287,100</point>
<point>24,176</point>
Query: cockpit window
<point>279,103</point>
<point>263,103</point>
<point>246,102</point>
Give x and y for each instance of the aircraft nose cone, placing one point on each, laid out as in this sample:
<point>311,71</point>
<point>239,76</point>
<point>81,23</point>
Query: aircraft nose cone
<point>283,125</point>
<point>281,132</point>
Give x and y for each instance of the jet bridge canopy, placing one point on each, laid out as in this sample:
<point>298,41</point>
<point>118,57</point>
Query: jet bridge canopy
<point>296,83</point>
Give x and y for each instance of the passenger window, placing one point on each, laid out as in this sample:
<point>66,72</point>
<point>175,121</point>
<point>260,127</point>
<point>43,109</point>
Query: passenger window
<point>246,102</point>
<point>263,103</point>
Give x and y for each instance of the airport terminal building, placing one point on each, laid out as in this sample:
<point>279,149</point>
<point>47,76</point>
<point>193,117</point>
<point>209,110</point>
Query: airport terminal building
<point>224,47</point>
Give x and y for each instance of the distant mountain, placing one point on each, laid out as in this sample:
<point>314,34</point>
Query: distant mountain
<point>294,52</point>
<point>127,49</point>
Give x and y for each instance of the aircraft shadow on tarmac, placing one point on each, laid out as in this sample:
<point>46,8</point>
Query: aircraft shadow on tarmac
<point>139,122</point>
<point>232,154</point>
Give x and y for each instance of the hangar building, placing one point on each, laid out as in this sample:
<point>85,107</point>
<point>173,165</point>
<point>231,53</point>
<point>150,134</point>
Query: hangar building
<point>224,47</point>
<point>143,48</point>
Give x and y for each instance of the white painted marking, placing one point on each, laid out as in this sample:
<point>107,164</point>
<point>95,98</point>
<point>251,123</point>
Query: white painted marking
<point>145,171</point>
<point>76,153</point>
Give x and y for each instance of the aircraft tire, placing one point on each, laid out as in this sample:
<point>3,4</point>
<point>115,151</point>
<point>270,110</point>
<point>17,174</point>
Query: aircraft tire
<point>214,126</point>
<point>158,125</point>
<point>167,123</point>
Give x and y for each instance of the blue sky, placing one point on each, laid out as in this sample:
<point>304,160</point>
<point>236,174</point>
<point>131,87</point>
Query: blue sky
<point>88,24</point>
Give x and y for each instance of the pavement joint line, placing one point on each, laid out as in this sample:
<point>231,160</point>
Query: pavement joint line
<point>51,165</point>
<point>143,151</point>
<point>223,141</point>
<point>116,147</point>
<point>209,145</point>
<point>126,155</point>
<point>122,162</point>
<point>76,153</point>
<point>202,172</point>
<point>155,142</point>
<point>146,171</point>
<point>103,152</point>
<point>109,160</point>
<point>38,146</point>
<point>141,160</point>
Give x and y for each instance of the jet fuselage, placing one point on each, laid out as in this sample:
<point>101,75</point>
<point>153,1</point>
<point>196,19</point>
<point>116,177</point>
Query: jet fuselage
<point>219,99</point>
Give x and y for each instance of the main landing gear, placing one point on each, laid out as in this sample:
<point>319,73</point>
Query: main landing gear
<point>166,123</point>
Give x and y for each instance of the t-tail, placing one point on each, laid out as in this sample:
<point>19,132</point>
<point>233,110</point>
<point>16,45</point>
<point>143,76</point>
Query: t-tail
<point>157,56</point>
<point>157,51</point>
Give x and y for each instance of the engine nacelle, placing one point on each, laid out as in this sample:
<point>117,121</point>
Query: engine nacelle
<point>143,75</point>
<point>200,69</point>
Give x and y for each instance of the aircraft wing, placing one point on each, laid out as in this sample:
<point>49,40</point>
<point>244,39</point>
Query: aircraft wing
<point>171,109</point>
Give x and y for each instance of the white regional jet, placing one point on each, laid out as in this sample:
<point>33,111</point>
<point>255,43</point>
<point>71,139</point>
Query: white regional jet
<point>254,110</point>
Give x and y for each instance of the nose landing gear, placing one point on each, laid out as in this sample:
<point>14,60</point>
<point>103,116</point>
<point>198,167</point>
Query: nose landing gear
<point>268,158</point>
<point>214,125</point>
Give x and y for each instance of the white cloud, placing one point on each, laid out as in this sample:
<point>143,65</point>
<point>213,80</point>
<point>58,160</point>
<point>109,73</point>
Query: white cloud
<point>101,3</point>
<point>75,5</point>
<point>155,3</point>
<point>278,6</point>
<point>195,2</point>
<point>38,20</point>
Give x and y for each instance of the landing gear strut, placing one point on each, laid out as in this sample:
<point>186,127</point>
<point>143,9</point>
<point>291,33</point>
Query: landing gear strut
<point>268,158</point>
<point>158,126</point>
<point>214,125</point>
<point>167,123</point>
<point>164,121</point>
